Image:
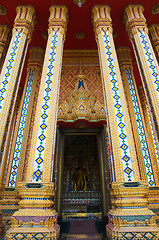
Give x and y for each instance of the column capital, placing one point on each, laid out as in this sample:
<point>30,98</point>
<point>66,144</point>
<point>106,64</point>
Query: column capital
<point>134,19</point>
<point>101,18</point>
<point>58,19</point>
<point>25,19</point>
<point>124,56</point>
<point>5,33</point>
<point>36,57</point>
<point>154,33</point>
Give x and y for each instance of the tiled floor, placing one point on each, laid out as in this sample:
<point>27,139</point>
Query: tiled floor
<point>90,229</point>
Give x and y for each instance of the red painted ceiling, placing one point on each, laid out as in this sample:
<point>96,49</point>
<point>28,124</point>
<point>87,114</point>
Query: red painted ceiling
<point>79,20</point>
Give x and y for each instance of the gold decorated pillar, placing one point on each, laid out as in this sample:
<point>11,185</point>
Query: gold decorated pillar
<point>145,56</point>
<point>154,36</point>
<point>38,190</point>
<point>19,142</point>
<point>153,196</point>
<point>146,159</point>
<point>13,65</point>
<point>5,34</point>
<point>128,192</point>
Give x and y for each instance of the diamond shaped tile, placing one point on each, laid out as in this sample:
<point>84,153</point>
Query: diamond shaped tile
<point>126,158</point>
<point>39,160</point>
<point>128,170</point>
<point>38,173</point>
<point>124,146</point>
<point>40,148</point>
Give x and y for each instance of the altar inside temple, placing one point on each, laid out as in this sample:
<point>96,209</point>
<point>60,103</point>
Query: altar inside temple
<point>81,179</point>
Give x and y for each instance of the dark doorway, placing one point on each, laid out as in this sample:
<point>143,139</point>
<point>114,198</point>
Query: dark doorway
<point>81,178</point>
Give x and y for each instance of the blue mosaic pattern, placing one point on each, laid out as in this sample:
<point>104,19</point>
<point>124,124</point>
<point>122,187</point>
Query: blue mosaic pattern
<point>150,60</point>
<point>154,136</point>
<point>144,147</point>
<point>41,140</point>
<point>19,140</point>
<point>125,152</point>
<point>5,80</point>
<point>139,235</point>
<point>34,236</point>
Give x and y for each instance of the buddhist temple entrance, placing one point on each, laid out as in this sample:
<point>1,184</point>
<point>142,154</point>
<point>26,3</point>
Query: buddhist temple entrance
<point>80,183</point>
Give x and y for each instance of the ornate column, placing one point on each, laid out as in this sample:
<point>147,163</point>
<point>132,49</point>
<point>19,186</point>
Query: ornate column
<point>153,196</point>
<point>147,161</point>
<point>5,34</point>
<point>6,156</point>
<point>128,193</point>
<point>154,36</point>
<point>10,198</point>
<point>146,59</point>
<point>13,65</point>
<point>37,192</point>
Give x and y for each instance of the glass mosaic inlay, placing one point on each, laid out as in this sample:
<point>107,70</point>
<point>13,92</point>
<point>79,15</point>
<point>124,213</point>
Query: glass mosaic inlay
<point>5,80</point>
<point>150,60</point>
<point>145,152</point>
<point>41,139</point>
<point>19,140</point>
<point>124,146</point>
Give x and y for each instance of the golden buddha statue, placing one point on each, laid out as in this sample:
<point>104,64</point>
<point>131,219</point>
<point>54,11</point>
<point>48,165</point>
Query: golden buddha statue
<point>80,177</point>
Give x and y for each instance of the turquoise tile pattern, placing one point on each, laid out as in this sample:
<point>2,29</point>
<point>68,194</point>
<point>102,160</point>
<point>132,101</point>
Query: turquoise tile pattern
<point>120,121</point>
<point>5,81</point>
<point>150,60</point>
<point>41,140</point>
<point>20,135</point>
<point>141,132</point>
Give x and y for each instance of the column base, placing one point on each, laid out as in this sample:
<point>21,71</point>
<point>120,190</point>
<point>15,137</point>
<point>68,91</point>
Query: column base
<point>8,205</point>
<point>35,219</point>
<point>33,233</point>
<point>153,199</point>
<point>146,232</point>
<point>130,217</point>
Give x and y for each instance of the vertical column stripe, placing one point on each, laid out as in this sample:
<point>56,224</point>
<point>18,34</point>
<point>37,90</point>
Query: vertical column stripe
<point>5,81</point>
<point>19,140</point>
<point>123,139</point>
<point>142,137</point>
<point>150,61</point>
<point>41,139</point>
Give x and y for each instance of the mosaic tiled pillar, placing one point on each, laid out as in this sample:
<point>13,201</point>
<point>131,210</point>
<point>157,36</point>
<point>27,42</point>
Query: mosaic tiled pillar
<point>13,65</point>
<point>10,198</point>
<point>5,34</point>
<point>147,161</point>
<point>128,192</point>
<point>38,191</point>
<point>6,156</point>
<point>154,36</point>
<point>145,56</point>
<point>153,196</point>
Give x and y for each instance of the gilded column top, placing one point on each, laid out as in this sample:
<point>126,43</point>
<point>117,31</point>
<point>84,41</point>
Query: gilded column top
<point>25,18</point>
<point>36,57</point>
<point>124,56</point>
<point>154,31</point>
<point>4,32</point>
<point>58,18</point>
<point>101,18</point>
<point>134,18</point>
